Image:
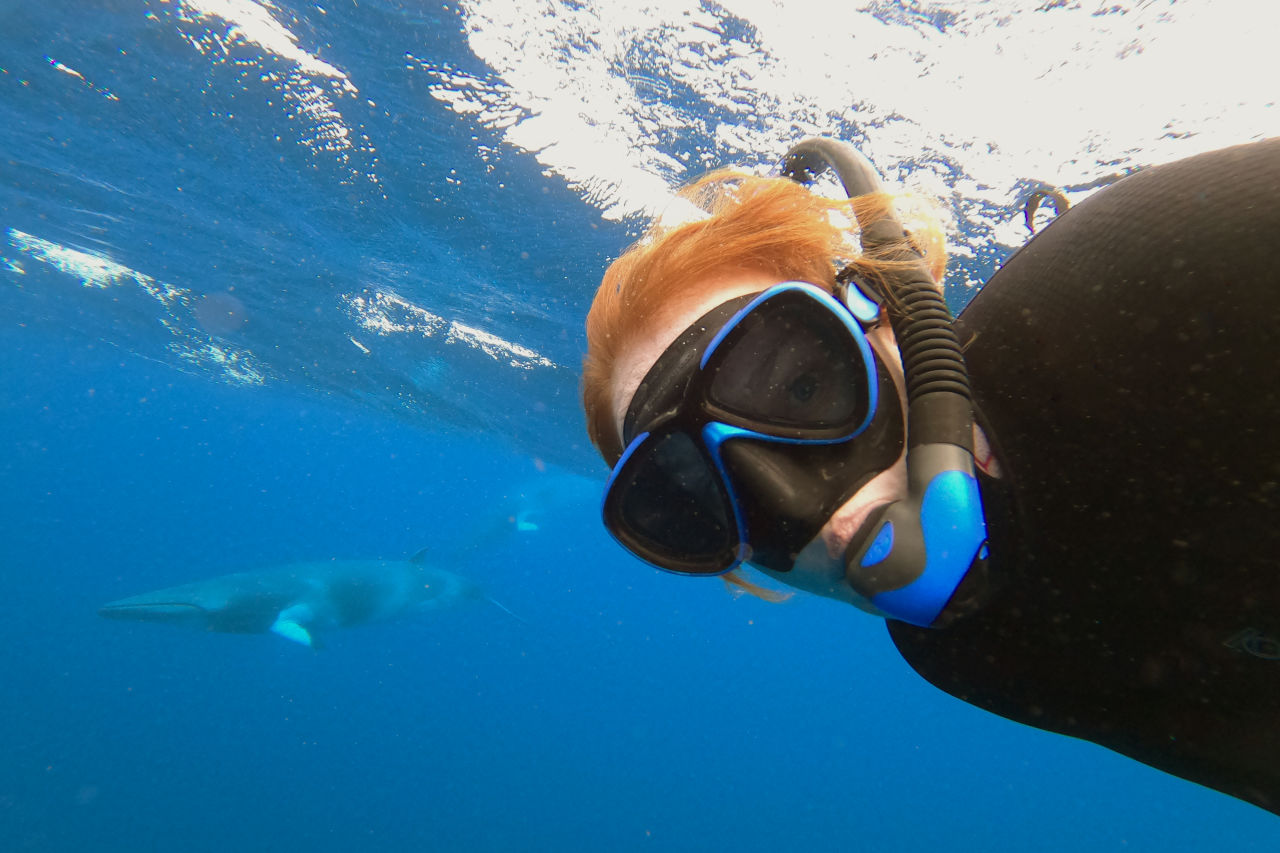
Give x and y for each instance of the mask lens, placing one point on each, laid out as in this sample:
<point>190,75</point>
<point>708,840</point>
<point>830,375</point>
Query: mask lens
<point>791,363</point>
<point>668,506</point>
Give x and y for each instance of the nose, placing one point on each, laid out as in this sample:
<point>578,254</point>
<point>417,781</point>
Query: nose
<point>762,476</point>
<point>781,503</point>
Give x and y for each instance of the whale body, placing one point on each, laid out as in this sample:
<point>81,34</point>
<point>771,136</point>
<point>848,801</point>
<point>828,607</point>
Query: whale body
<point>298,601</point>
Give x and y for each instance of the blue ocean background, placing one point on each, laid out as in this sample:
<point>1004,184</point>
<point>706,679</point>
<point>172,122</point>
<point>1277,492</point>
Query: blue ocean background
<point>294,281</point>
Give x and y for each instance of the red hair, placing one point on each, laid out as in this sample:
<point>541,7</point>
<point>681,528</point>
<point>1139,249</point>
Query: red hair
<point>768,225</point>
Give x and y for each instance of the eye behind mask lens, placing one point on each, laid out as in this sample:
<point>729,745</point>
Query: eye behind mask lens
<point>670,507</point>
<point>795,367</point>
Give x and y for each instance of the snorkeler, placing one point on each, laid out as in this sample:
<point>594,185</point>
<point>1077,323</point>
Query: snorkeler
<point>1065,503</point>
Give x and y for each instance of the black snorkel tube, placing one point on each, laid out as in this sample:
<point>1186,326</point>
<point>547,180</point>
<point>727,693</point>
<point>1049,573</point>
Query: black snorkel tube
<point>910,556</point>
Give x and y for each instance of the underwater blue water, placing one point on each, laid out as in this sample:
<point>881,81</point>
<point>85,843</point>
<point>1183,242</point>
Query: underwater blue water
<point>623,710</point>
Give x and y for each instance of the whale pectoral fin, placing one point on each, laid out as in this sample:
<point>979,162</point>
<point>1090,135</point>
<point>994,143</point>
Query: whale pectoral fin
<point>289,625</point>
<point>292,631</point>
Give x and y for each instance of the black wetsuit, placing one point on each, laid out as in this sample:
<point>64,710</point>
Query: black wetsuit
<point>1126,364</point>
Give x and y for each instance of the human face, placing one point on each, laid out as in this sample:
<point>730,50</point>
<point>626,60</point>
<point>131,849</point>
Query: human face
<point>822,563</point>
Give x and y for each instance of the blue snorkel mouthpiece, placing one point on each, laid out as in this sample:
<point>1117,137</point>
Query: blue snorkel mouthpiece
<point>910,556</point>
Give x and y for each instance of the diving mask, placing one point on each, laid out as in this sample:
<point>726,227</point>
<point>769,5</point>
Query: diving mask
<point>763,418</point>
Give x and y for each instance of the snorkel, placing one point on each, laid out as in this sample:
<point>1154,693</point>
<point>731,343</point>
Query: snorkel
<point>909,557</point>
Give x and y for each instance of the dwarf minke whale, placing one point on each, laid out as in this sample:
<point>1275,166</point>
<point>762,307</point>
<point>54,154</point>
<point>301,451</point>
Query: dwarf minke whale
<point>298,601</point>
